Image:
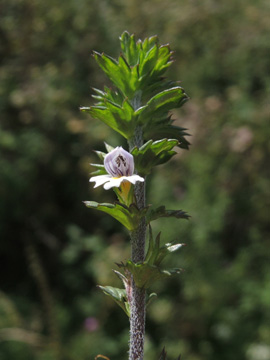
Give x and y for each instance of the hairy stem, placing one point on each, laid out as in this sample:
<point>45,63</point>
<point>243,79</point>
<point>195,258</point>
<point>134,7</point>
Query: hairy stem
<point>137,313</point>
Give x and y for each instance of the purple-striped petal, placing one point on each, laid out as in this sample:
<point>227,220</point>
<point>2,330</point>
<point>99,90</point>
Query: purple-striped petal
<point>119,162</point>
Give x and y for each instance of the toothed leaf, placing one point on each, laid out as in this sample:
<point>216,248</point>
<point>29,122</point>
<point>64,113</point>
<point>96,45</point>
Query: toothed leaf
<point>127,216</point>
<point>118,118</point>
<point>161,211</point>
<point>144,274</point>
<point>153,153</point>
<point>161,103</point>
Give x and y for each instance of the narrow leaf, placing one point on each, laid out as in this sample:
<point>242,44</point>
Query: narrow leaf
<point>166,250</point>
<point>130,48</point>
<point>127,216</point>
<point>100,169</point>
<point>108,147</point>
<point>161,211</point>
<point>118,295</point>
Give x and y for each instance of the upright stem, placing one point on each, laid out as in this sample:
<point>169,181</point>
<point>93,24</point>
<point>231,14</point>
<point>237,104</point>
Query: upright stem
<point>137,311</point>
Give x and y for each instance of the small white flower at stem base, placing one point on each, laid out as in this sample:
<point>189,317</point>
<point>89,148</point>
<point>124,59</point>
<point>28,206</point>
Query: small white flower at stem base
<point>119,165</point>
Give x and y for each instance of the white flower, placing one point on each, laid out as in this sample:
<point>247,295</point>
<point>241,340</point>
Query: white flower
<point>119,165</point>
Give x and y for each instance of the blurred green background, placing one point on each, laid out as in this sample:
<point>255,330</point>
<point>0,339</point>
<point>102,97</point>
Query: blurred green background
<point>54,251</point>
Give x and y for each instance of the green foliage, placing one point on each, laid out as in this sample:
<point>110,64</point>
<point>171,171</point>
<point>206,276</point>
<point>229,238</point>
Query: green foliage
<point>119,117</point>
<point>153,153</point>
<point>159,105</point>
<point>144,274</point>
<point>141,97</point>
<point>155,254</point>
<point>149,58</point>
<point>118,295</point>
<point>128,216</point>
<point>100,167</point>
<point>161,211</point>
<point>122,297</point>
<point>139,67</point>
<point>165,127</point>
<point>100,170</point>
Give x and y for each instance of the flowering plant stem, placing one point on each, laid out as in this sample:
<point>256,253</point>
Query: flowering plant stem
<point>138,109</point>
<point>137,309</point>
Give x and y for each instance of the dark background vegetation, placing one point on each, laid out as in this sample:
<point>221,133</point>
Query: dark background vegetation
<point>53,250</point>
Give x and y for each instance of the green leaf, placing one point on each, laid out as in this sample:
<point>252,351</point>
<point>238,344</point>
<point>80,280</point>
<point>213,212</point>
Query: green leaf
<point>118,295</point>
<point>119,72</point>
<point>100,167</point>
<point>148,43</point>
<point>151,246</point>
<point>100,170</point>
<point>148,271</point>
<point>127,216</point>
<point>105,115</point>
<point>108,147</point>
<point>144,274</point>
<point>130,49</point>
<point>159,85</point>
<point>149,61</point>
<point>166,250</point>
<point>161,103</point>
<point>153,153</point>
<point>119,118</point>
<point>156,127</point>
<point>139,70</point>
<point>121,277</point>
<point>163,62</point>
<point>155,254</point>
<point>161,211</point>
<point>108,94</point>
<point>100,154</point>
<point>165,128</point>
<point>114,72</point>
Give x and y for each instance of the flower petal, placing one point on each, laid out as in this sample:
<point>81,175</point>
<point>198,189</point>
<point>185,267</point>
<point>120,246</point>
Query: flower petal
<point>134,178</point>
<point>100,180</point>
<point>116,182</point>
<point>119,162</point>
